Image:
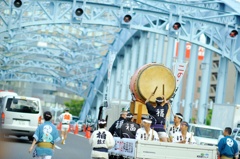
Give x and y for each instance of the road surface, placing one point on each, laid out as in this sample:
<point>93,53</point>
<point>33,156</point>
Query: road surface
<point>76,147</point>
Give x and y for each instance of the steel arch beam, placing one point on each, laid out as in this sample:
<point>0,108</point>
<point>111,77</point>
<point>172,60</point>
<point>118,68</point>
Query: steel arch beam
<point>185,36</point>
<point>215,31</point>
<point>157,21</point>
<point>73,86</point>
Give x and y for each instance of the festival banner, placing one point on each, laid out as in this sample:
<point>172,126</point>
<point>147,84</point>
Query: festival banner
<point>124,147</point>
<point>180,68</point>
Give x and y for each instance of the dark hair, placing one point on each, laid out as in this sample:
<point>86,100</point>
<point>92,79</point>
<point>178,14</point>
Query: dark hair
<point>47,116</point>
<point>129,117</point>
<point>185,123</point>
<point>179,115</point>
<point>160,99</point>
<point>67,109</point>
<point>228,130</point>
<point>100,123</point>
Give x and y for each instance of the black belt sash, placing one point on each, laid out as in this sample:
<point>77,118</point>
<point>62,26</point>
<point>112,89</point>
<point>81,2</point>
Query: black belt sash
<point>100,149</point>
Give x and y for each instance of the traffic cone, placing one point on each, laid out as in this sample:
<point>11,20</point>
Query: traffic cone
<point>88,132</point>
<point>59,126</point>
<point>76,129</point>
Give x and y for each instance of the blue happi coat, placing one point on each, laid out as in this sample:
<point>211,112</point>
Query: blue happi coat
<point>46,132</point>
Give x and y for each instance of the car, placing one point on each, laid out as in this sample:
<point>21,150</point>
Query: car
<point>236,135</point>
<point>75,118</point>
<point>92,125</point>
<point>205,135</point>
<point>20,116</point>
<point>72,125</point>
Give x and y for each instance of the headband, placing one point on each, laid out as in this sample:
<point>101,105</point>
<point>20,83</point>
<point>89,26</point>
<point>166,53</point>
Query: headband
<point>129,116</point>
<point>147,121</point>
<point>159,100</point>
<point>48,115</point>
<point>102,122</point>
<point>179,116</point>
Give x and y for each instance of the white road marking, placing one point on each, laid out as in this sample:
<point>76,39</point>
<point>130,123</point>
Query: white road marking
<point>80,135</point>
<point>57,147</point>
<point>77,134</point>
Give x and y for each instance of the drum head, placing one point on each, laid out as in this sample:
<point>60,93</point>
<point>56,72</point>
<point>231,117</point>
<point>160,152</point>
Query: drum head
<point>156,75</point>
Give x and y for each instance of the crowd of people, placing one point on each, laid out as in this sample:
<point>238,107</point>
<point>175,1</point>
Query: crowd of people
<point>153,128</point>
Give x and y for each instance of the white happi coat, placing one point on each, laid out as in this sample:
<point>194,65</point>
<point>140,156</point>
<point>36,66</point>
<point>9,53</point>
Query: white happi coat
<point>151,136</point>
<point>101,138</point>
<point>189,138</point>
<point>173,130</point>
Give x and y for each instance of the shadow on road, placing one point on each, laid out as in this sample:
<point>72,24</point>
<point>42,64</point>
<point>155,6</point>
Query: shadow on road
<point>23,140</point>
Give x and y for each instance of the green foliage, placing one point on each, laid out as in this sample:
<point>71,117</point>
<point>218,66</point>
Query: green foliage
<point>75,106</point>
<point>209,117</point>
<point>193,120</point>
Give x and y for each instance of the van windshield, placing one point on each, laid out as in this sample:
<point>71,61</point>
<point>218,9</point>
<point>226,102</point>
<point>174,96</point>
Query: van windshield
<point>234,133</point>
<point>206,132</point>
<point>23,106</point>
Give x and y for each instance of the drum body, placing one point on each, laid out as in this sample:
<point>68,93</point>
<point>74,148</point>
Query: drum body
<point>148,77</point>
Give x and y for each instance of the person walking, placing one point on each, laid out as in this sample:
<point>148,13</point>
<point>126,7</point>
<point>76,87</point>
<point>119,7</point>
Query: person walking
<point>227,146</point>
<point>101,140</point>
<point>45,137</point>
<point>65,119</point>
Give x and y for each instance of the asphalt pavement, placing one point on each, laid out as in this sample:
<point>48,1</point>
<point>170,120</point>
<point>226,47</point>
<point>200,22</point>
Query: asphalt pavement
<point>76,147</point>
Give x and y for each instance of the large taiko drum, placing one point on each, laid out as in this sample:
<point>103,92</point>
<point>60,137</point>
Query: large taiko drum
<point>148,77</point>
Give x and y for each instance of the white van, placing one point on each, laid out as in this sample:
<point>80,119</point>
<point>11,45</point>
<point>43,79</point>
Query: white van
<point>2,95</point>
<point>236,135</point>
<point>20,116</point>
<point>205,135</point>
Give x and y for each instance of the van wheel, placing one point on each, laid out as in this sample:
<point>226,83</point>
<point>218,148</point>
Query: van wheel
<point>30,138</point>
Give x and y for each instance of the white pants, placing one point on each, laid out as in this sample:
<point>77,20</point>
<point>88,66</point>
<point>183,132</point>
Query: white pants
<point>99,155</point>
<point>65,127</point>
<point>43,157</point>
<point>162,135</point>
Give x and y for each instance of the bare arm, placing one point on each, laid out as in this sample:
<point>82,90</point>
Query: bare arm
<point>149,98</point>
<point>32,146</point>
<point>169,110</point>
<point>152,94</point>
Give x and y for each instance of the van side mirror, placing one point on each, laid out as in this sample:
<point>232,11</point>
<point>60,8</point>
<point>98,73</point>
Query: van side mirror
<point>15,101</point>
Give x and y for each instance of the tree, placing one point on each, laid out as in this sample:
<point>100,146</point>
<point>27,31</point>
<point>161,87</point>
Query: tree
<point>75,106</point>
<point>209,117</point>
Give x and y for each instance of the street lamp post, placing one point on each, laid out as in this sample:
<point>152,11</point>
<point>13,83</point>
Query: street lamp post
<point>56,109</point>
